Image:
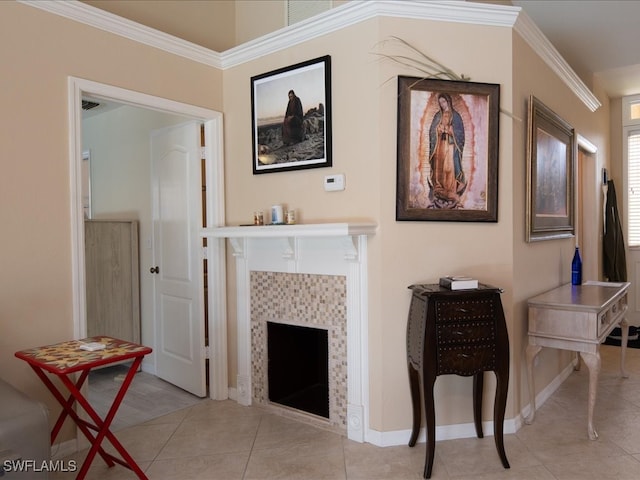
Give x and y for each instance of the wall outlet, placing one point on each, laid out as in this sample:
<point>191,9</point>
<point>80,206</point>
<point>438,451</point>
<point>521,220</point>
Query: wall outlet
<point>334,183</point>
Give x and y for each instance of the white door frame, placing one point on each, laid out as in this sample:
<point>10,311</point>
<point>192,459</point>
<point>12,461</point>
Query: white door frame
<point>589,185</point>
<point>213,131</point>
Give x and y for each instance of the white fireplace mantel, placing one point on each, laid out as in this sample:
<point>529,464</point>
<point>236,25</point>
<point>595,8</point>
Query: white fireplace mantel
<point>322,249</point>
<point>289,237</point>
<point>298,230</point>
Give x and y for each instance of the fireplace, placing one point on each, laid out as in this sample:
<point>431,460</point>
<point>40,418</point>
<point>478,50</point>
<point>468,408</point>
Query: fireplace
<point>298,367</point>
<point>301,261</point>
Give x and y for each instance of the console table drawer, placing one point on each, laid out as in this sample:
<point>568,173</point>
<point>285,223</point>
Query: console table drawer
<point>466,333</point>
<point>611,315</point>
<point>465,360</point>
<point>475,309</point>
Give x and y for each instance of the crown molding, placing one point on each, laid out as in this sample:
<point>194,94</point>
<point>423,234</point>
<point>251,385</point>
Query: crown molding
<point>332,20</point>
<point>531,34</point>
<point>358,11</point>
<point>108,22</point>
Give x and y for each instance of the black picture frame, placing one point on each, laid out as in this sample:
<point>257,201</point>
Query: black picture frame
<point>456,179</point>
<point>290,134</point>
<point>551,156</point>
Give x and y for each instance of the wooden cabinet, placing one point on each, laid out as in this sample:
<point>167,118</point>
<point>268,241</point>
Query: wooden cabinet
<point>112,279</point>
<point>459,332</point>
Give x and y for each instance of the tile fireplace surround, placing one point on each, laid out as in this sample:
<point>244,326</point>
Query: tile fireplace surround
<point>308,300</point>
<point>329,261</point>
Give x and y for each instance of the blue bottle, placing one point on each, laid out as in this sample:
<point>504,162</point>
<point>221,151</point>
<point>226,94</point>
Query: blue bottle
<point>576,268</point>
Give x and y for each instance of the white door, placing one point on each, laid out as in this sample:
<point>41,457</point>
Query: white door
<point>178,266</point>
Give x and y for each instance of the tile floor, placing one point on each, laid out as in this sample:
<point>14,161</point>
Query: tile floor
<point>221,440</point>
<point>148,396</point>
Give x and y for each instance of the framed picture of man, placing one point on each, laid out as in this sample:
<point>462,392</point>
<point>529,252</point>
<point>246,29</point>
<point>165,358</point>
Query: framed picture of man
<point>291,117</point>
<point>551,156</point>
<point>447,162</point>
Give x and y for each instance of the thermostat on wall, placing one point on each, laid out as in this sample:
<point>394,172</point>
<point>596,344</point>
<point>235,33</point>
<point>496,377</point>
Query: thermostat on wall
<point>334,183</point>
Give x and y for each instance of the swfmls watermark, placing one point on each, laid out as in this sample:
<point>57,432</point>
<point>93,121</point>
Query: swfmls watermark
<point>39,466</point>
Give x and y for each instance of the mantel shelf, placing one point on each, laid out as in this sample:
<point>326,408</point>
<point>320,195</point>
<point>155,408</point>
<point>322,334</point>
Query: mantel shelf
<point>293,231</point>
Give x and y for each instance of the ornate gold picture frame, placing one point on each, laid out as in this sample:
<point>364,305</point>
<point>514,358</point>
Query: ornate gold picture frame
<point>551,156</point>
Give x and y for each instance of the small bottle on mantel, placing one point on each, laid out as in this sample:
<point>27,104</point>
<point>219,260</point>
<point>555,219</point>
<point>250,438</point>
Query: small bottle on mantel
<point>576,268</point>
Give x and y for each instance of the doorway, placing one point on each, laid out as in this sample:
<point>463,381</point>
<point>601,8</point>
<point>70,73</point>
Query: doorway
<point>589,218</point>
<point>214,206</point>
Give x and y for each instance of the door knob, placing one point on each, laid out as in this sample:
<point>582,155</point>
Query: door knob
<point>154,269</point>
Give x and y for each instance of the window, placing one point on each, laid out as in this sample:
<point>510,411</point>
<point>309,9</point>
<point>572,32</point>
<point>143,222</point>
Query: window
<point>631,154</point>
<point>633,189</point>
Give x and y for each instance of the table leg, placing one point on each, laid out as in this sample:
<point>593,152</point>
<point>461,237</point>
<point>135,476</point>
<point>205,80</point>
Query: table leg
<point>429,380</point>
<point>67,405</point>
<point>592,361</point>
<point>478,387</point>
<point>624,327</point>
<point>414,385</point>
<point>499,407</point>
<point>532,353</point>
<point>103,426</point>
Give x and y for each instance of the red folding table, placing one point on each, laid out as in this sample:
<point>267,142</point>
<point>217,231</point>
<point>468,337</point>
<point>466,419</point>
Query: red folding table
<point>66,358</point>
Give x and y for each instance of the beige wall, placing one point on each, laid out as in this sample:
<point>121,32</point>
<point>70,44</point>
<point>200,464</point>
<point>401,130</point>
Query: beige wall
<point>540,266</point>
<point>36,257</point>
<point>207,23</point>
<point>413,252</point>
<point>215,24</point>
<point>617,143</point>
<point>38,53</point>
<point>405,253</point>
<point>364,147</point>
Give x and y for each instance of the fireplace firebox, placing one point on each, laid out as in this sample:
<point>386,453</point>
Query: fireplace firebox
<point>298,367</point>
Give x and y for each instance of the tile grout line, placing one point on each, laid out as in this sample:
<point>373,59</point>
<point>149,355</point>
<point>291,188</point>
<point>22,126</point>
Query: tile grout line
<point>246,466</point>
<point>344,458</point>
<point>164,445</point>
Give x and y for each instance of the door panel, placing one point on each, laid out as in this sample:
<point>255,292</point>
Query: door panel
<point>179,305</point>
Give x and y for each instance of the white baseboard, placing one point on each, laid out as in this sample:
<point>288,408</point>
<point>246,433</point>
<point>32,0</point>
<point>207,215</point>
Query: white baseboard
<point>443,432</point>
<point>462,430</point>
<point>467,430</point>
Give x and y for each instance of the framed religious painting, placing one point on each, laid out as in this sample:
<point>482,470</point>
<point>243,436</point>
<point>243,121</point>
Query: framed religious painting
<point>447,152</point>
<point>291,117</point>
<point>551,156</point>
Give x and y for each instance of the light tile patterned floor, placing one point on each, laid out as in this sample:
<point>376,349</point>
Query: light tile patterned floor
<point>148,396</point>
<point>221,440</point>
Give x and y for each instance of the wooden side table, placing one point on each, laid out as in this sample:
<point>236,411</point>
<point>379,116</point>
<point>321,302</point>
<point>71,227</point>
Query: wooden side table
<point>577,318</point>
<point>461,332</point>
<point>66,358</point>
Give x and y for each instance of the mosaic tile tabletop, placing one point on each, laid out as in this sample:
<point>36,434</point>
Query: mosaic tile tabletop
<point>67,357</point>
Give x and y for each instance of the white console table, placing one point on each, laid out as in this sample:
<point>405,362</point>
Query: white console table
<point>577,318</point>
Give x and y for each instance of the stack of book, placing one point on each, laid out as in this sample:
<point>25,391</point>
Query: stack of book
<point>458,282</point>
